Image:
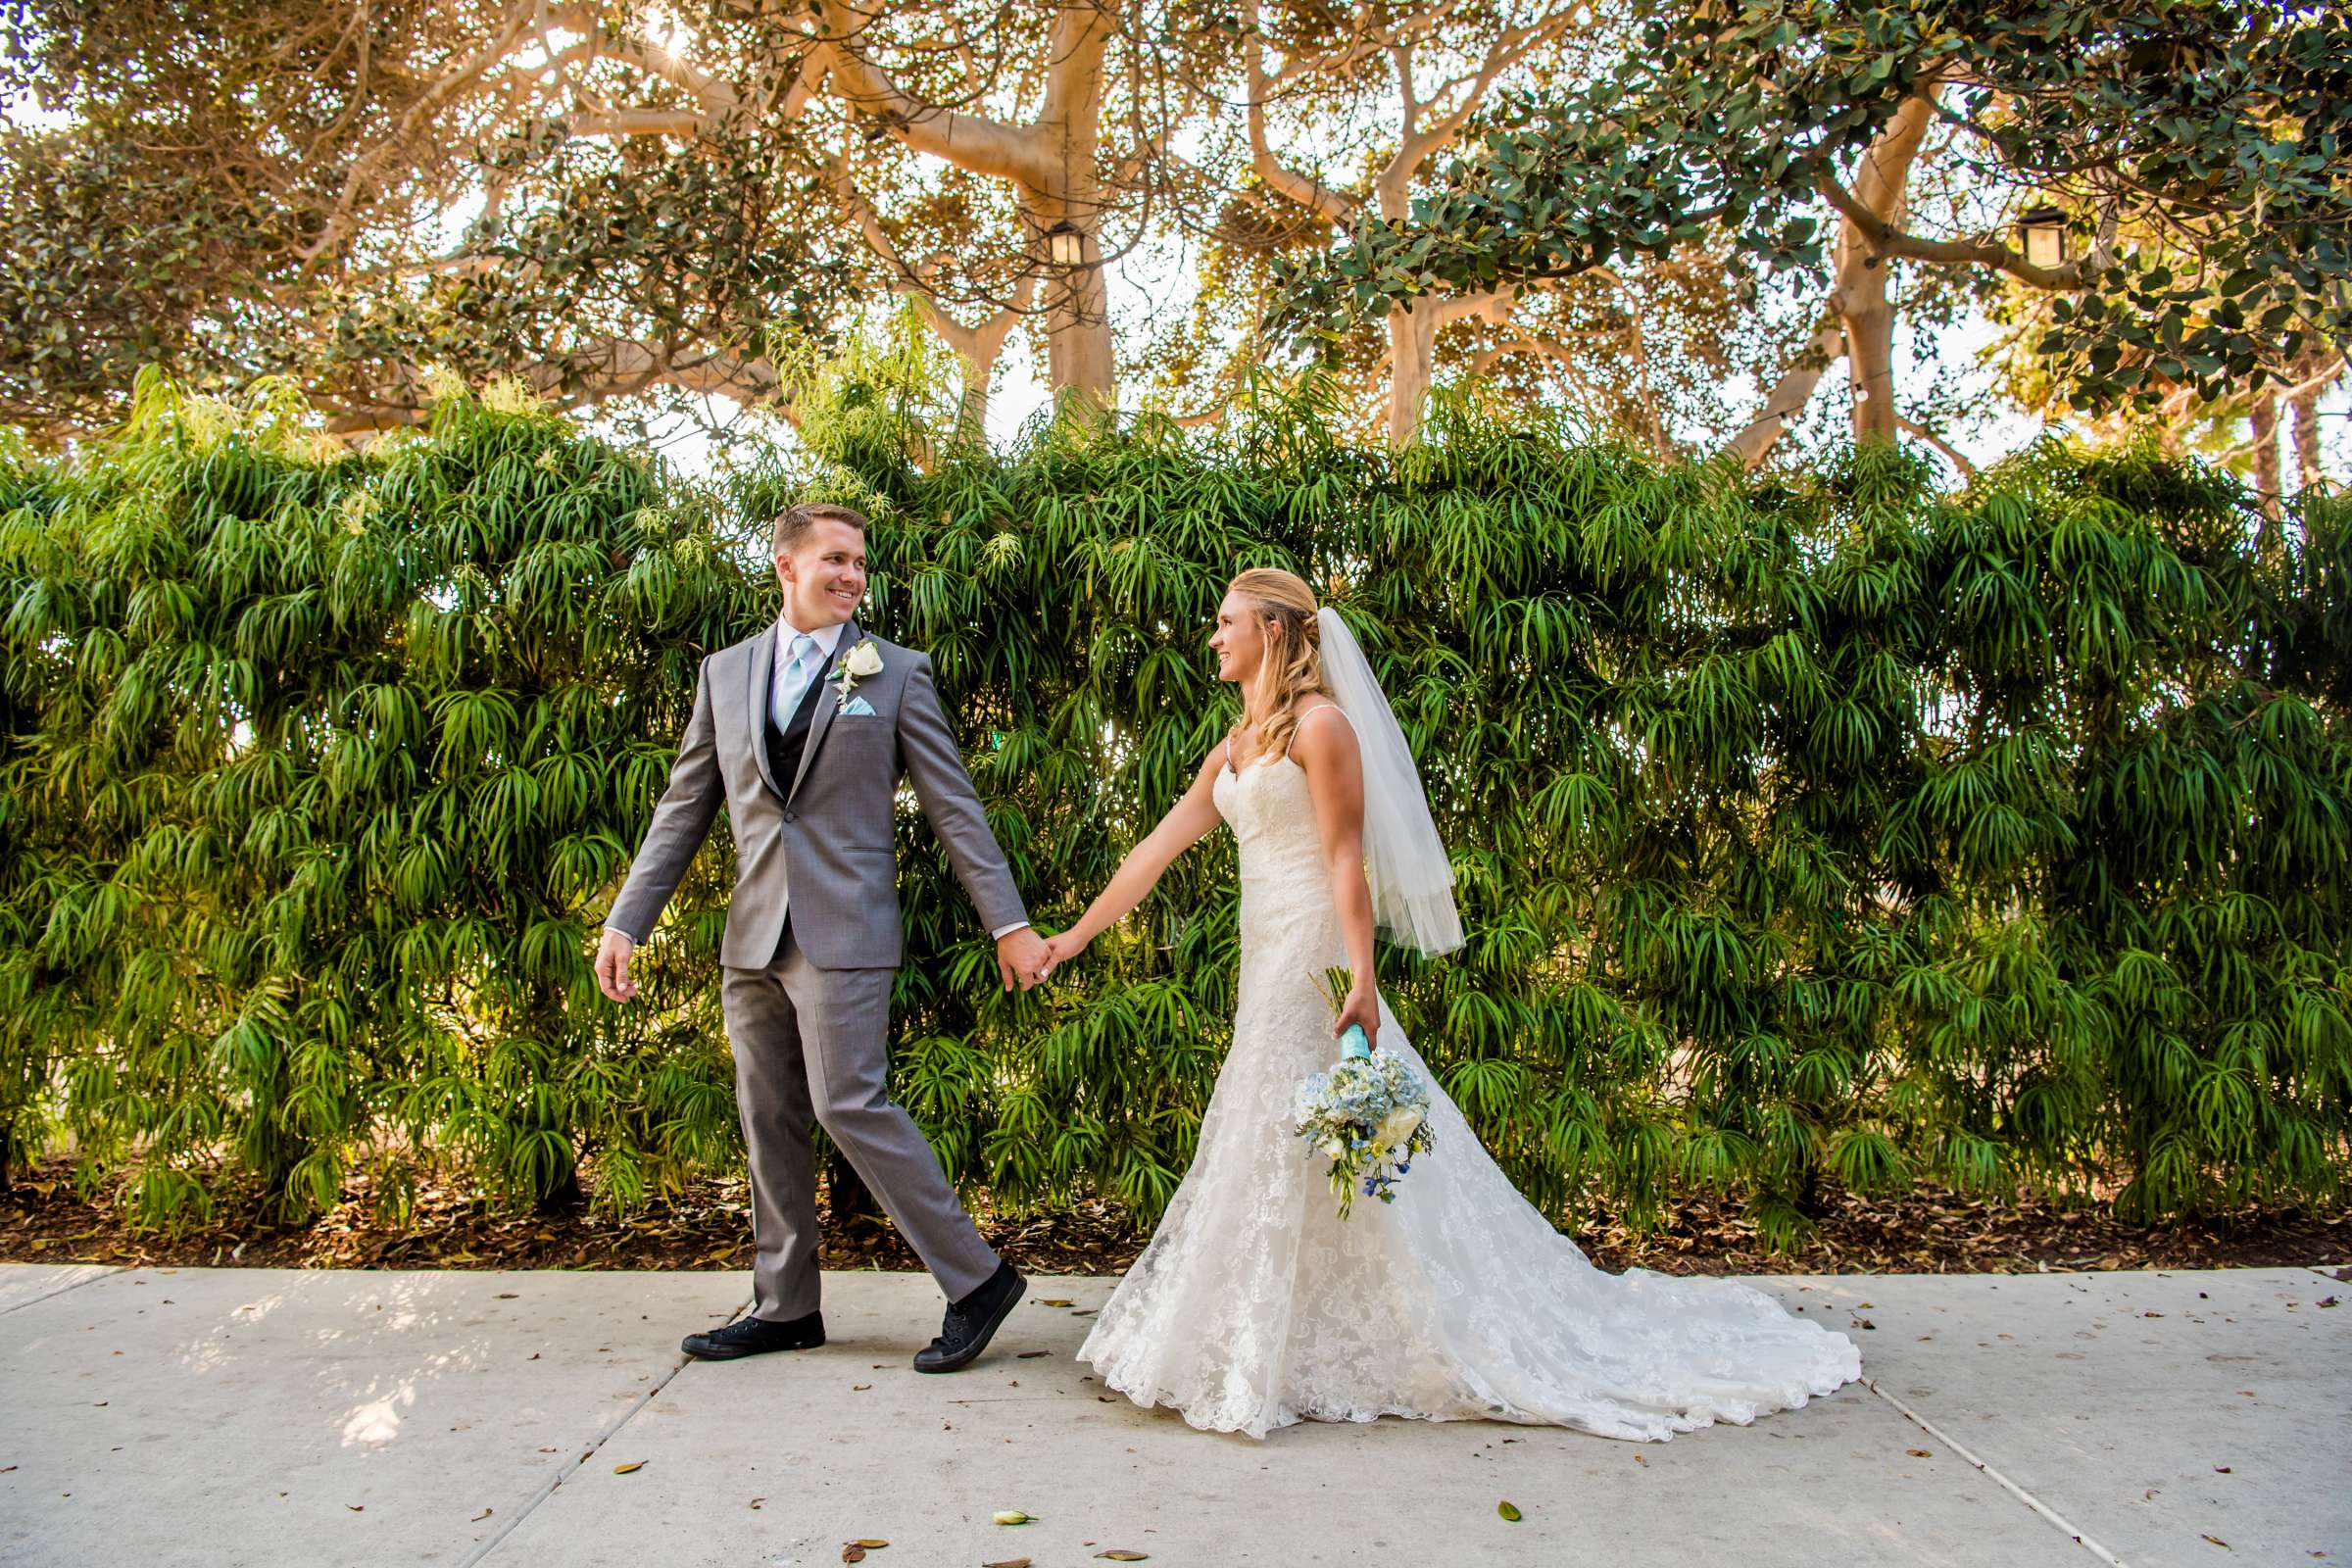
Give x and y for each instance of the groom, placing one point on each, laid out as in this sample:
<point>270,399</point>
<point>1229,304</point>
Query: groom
<point>802,733</point>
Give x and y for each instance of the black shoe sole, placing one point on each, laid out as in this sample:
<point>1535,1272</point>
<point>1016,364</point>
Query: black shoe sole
<point>729,1353</point>
<point>988,1332</point>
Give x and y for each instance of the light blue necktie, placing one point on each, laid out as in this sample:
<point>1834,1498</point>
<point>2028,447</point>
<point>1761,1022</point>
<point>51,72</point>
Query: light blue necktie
<point>805,656</point>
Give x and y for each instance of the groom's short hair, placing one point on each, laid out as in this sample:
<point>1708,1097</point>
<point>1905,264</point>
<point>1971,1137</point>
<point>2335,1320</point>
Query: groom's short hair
<point>797,519</point>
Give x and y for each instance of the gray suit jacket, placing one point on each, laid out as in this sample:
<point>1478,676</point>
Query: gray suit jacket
<point>819,841</point>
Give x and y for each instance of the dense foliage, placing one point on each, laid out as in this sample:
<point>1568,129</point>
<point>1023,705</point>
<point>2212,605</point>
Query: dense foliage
<point>1836,831</point>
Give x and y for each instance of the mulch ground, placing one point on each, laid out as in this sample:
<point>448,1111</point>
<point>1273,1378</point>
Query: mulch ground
<point>43,1220</point>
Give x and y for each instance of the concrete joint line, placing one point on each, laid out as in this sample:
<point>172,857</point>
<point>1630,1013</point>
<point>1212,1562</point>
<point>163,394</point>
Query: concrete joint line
<point>70,1285</point>
<point>2011,1487</point>
<point>565,1471</point>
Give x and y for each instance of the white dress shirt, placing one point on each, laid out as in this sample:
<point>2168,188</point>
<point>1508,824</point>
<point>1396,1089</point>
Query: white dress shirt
<point>788,685</point>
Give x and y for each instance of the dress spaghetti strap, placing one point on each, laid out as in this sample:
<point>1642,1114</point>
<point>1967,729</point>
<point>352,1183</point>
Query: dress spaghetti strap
<point>1303,718</point>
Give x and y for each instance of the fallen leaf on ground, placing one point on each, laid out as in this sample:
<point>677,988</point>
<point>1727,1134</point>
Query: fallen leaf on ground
<point>1919,1453</point>
<point>756,1502</point>
<point>869,1543</point>
<point>2221,1469</point>
<point>852,1552</point>
<point>2218,1542</point>
<point>1009,1562</point>
<point>1121,1554</point>
<point>1507,1510</point>
<point>625,1469</point>
<point>1031,1356</point>
<point>1056,1301</point>
<point>1014,1516</point>
<point>479,1517</point>
<point>355,1507</point>
<point>859,1387</point>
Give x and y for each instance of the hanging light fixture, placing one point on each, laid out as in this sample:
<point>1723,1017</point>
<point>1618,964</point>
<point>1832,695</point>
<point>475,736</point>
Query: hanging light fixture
<point>1066,245</point>
<point>2044,230</point>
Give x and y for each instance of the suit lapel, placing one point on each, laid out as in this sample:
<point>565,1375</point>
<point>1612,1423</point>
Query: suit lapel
<point>822,719</point>
<point>761,680</point>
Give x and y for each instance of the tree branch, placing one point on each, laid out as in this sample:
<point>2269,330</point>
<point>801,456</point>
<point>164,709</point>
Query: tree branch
<point>972,142</point>
<point>1334,207</point>
<point>1967,470</point>
<point>1884,240</point>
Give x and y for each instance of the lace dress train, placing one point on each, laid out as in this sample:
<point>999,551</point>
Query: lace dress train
<point>1255,1305</point>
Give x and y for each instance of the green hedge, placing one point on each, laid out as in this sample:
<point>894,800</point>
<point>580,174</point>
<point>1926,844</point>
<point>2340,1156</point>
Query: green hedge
<point>1833,829</point>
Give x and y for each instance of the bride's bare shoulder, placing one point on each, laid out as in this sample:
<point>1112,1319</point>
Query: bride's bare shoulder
<point>1314,739</point>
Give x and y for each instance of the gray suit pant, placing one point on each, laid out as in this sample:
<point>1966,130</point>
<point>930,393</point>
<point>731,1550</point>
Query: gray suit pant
<point>814,1044</point>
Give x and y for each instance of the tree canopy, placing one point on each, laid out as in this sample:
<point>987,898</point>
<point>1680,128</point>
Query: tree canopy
<point>2195,150</point>
<point>1670,223</point>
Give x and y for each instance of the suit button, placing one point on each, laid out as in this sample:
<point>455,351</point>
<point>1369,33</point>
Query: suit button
<point>789,818</point>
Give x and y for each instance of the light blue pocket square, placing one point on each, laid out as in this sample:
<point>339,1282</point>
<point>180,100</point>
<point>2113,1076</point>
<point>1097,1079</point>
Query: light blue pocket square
<point>858,708</point>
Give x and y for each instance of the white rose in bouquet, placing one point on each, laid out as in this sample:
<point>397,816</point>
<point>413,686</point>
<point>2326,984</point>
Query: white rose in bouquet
<point>1398,1125</point>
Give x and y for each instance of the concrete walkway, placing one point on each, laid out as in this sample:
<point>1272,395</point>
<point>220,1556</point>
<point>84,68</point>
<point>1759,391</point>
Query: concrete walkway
<point>244,1416</point>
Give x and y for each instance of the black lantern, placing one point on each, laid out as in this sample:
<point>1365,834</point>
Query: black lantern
<point>2044,230</point>
<point>1066,245</point>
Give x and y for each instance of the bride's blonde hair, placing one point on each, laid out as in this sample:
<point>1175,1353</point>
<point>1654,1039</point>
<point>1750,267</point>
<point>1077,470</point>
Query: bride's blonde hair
<point>1283,606</point>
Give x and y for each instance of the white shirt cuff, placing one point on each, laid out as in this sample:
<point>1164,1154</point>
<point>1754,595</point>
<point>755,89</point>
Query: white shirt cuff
<point>1000,932</point>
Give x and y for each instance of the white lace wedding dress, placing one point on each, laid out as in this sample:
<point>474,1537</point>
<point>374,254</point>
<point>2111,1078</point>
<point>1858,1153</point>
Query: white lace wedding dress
<point>1256,1305</point>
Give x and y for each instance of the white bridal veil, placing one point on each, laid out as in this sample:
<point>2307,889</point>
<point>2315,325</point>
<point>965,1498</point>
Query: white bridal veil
<point>1404,861</point>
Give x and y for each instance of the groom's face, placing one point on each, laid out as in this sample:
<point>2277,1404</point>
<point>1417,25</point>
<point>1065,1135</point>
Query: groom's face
<point>823,574</point>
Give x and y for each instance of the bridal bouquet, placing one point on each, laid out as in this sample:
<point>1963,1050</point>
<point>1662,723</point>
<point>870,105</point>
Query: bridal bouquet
<point>1369,1114</point>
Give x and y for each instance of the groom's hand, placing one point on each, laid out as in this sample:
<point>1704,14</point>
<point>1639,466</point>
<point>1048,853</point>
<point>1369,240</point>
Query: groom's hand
<point>612,967</point>
<point>1019,956</point>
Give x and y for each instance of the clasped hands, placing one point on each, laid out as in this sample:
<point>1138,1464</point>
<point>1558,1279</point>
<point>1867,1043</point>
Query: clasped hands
<point>1024,958</point>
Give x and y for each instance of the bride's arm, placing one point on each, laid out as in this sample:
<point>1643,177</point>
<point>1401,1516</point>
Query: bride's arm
<point>1187,824</point>
<point>1335,781</point>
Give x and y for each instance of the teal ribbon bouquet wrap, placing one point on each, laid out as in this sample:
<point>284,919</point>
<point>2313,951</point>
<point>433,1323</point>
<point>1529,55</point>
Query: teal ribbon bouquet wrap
<point>1368,1113</point>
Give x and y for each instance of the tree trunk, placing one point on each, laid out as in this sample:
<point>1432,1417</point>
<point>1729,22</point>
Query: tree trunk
<point>1412,344</point>
<point>2263,417</point>
<point>2305,409</point>
<point>1880,184</point>
<point>1863,325</point>
<point>1869,319</point>
<point>1791,392</point>
<point>1079,352</point>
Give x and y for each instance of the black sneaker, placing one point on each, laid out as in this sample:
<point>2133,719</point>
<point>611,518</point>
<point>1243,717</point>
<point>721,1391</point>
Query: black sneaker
<point>973,1322</point>
<point>755,1336</point>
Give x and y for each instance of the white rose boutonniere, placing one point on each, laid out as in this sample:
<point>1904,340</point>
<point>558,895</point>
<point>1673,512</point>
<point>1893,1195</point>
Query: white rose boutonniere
<point>860,662</point>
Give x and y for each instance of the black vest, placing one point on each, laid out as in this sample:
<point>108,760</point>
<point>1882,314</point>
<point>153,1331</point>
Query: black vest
<point>784,746</point>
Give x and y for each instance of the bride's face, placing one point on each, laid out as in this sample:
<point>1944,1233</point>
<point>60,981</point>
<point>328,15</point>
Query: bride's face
<point>1239,639</point>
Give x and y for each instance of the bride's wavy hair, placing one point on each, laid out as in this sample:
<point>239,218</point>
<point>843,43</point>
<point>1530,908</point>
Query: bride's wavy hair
<point>1292,667</point>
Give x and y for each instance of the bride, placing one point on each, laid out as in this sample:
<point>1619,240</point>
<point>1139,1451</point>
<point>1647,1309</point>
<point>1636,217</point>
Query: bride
<point>1256,1305</point>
